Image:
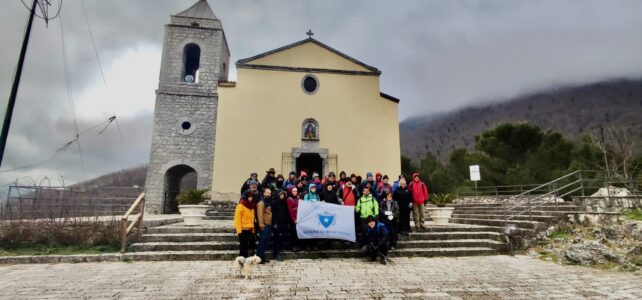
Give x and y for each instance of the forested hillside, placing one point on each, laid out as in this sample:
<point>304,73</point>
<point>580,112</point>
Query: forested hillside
<point>573,111</point>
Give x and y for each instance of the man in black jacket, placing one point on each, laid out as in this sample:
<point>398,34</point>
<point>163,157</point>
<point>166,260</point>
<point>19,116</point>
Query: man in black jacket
<point>246,184</point>
<point>404,198</point>
<point>378,240</point>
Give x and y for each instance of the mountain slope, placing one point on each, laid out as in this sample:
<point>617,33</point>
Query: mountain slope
<point>574,111</point>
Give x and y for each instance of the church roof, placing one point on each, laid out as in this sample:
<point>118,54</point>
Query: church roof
<point>371,70</point>
<point>200,10</point>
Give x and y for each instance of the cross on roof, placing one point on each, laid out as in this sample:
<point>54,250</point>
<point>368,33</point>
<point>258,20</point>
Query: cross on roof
<point>309,33</point>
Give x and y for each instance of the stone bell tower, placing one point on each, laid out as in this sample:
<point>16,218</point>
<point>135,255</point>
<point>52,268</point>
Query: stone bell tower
<point>195,58</point>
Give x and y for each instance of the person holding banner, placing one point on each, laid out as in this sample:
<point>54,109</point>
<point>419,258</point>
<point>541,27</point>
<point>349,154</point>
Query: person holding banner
<point>367,206</point>
<point>293,206</point>
<point>389,216</point>
<point>329,194</point>
<point>377,238</point>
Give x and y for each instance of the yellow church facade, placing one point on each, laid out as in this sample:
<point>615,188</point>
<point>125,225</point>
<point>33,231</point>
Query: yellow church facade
<point>304,107</point>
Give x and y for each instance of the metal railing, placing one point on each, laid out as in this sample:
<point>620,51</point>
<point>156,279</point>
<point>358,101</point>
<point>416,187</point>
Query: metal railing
<point>495,190</point>
<point>575,184</point>
<point>126,227</point>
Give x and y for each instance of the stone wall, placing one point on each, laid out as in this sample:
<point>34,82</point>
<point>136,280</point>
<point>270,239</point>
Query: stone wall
<point>608,204</point>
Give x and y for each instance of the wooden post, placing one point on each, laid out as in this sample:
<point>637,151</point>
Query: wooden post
<point>140,220</point>
<point>123,236</point>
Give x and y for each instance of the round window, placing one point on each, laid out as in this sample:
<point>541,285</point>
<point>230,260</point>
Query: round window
<point>185,126</point>
<point>310,84</point>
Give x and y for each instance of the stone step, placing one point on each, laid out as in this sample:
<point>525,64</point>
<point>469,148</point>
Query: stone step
<point>219,213</point>
<point>183,246</point>
<point>455,228</point>
<point>188,237</point>
<point>501,212</point>
<point>567,203</point>
<point>428,244</point>
<point>419,236</point>
<point>337,245</point>
<point>230,255</point>
<point>500,223</point>
<point>231,237</point>
<point>230,217</point>
<point>190,229</point>
<point>523,217</point>
<point>522,207</point>
<point>229,229</point>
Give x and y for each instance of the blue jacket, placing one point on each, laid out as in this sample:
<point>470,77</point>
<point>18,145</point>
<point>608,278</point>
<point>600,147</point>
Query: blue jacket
<point>310,196</point>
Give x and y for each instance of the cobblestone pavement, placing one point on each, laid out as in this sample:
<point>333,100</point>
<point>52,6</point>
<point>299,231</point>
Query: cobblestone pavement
<point>488,277</point>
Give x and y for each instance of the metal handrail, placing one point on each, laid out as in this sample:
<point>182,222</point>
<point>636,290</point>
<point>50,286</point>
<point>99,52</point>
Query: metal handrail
<point>545,184</point>
<point>126,228</point>
<point>529,201</point>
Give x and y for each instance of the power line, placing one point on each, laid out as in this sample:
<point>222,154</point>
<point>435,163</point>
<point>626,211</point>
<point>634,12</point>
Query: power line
<point>43,5</point>
<point>70,96</point>
<point>93,43</point>
<point>102,74</point>
<point>64,147</point>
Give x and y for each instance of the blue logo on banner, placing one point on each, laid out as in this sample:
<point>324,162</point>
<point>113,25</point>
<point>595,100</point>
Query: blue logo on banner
<point>326,220</point>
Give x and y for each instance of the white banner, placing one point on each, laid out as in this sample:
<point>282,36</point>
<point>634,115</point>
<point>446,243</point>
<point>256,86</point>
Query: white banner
<point>320,220</point>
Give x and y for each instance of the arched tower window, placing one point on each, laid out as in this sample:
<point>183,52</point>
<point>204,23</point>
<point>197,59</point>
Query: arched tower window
<point>310,130</point>
<point>191,63</point>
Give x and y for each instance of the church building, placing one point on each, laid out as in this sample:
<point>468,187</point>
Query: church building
<point>302,107</point>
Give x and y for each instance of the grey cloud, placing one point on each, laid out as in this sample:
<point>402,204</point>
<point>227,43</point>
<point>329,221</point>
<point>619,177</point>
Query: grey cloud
<point>435,56</point>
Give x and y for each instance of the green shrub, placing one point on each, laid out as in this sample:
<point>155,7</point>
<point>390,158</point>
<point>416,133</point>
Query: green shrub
<point>440,200</point>
<point>193,197</point>
<point>634,214</point>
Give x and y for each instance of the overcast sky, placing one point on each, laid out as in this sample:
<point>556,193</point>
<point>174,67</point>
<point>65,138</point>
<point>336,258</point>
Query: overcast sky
<point>435,56</point>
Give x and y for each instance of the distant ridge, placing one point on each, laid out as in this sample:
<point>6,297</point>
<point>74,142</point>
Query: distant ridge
<point>574,111</point>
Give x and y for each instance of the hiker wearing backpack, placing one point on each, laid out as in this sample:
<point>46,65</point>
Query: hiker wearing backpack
<point>419,193</point>
<point>367,206</point>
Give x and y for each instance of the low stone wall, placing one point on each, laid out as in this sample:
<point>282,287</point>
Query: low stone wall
<point>221,205</point>
<point>608,204</point>
<point>494,199</point>
<point>594,218</point>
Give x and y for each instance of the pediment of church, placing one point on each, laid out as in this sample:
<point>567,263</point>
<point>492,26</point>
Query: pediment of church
<point>308,55</point>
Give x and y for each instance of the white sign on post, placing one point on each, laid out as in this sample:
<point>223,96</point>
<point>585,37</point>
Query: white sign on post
<point>475,175</point>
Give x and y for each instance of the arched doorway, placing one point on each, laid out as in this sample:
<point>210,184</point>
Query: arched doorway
<point>310,163</point>
<point>178,179</point>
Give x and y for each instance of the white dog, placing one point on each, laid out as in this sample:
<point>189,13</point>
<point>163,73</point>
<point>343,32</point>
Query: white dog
<point>245,266</point>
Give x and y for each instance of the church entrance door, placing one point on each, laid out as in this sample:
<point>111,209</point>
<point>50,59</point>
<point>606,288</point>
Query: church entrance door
<point>310,163</point>
<point>178,179</point>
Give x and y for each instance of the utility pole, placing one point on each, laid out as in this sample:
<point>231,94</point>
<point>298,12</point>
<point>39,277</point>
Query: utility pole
<point>16,83</point>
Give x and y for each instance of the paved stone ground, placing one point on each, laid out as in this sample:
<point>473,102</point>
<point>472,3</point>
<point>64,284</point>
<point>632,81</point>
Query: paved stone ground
<point>490,277</point>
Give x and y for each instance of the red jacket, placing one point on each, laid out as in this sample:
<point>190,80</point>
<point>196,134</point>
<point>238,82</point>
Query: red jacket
<point>418,190</point>
<point>293,206</point>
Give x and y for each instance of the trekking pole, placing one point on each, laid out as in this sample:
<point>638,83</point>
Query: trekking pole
<point>387,259</point>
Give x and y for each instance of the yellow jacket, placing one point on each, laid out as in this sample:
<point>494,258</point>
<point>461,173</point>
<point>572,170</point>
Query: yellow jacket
<point>243,218</point>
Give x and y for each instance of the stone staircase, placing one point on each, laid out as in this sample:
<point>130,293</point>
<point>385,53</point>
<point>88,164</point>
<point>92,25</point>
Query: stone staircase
<point>492,215</point>
<point>215,240</point>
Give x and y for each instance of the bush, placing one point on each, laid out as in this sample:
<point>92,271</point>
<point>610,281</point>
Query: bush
<point>193,197</point>
<point>76,232</point>
<point>442,199</point>
<point>634,214</point>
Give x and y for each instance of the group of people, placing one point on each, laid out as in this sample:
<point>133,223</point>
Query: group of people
<point>267,210</point>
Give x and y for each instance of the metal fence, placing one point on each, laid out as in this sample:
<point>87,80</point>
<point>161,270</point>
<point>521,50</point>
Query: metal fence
<point>588,181</point>
<point>35,202</point>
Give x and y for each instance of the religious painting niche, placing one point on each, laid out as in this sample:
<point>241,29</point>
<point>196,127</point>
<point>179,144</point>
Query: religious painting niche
<point>310,130</point>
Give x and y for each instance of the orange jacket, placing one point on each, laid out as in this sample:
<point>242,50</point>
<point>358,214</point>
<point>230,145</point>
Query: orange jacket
<point>243,218</point>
